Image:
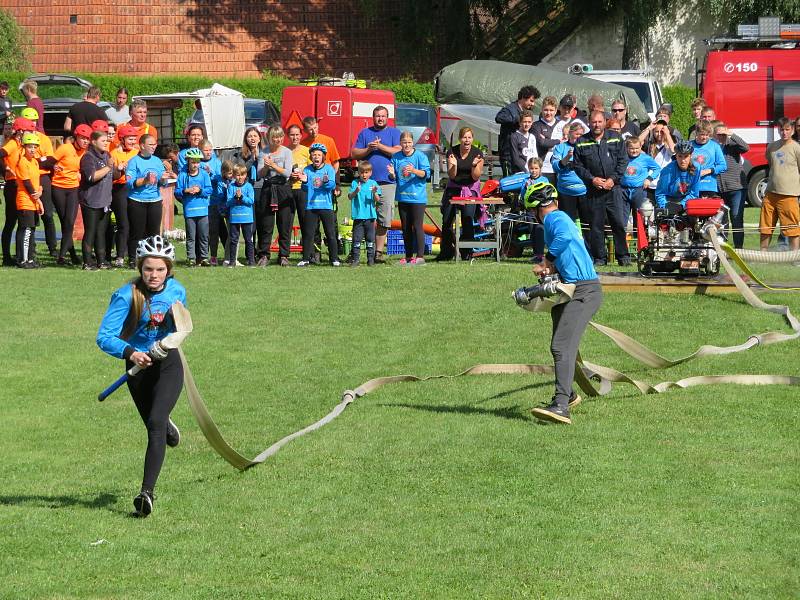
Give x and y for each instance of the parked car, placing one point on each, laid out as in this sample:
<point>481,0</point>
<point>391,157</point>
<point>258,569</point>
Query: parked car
<point>58,94</point>
<point>257,113</point>
<point>421,120</point>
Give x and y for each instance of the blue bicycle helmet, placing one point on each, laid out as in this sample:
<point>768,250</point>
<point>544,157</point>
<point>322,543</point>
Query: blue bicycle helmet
<point>318,146</point>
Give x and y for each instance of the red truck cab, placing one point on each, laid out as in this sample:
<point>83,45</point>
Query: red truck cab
<point>750,87</point>
<point>342,112</point>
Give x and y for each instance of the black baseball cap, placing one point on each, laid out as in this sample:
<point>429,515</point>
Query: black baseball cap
<point>568,100</point>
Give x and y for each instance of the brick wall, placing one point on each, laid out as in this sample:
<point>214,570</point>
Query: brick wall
<point>297,38</point>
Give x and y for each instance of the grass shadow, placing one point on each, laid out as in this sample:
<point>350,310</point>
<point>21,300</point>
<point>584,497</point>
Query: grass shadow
<point>508,412</point>
<point>103,500</point>
<point>530,386</point>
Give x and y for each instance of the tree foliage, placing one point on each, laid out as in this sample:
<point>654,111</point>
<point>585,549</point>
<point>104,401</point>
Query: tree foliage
<point>15,44</point>
<point>748,11</point>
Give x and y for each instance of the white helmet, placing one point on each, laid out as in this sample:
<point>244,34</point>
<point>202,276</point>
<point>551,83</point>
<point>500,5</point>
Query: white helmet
<point>155,246</point>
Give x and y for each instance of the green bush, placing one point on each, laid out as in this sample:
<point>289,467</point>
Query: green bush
<point>15,43</point>
<point>681,98</point>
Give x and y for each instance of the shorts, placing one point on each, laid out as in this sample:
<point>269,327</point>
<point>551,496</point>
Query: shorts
<point>27,219</point>
<point>777,207</point>
<point>385,207</point>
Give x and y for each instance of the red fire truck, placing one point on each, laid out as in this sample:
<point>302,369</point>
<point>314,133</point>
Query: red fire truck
<point>342,111</point>
<point>751,80</point>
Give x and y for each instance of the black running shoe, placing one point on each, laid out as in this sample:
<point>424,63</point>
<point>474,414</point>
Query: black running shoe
<point>574,400</point>
<point>173,434</point>
<point>552,413</point>
<point>143,503</point>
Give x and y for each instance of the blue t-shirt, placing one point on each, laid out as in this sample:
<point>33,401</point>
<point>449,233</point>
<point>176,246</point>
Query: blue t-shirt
<point>640,168</point>
<point>411,189</point>
<point>362,206</point>
<point>709,156</point>
<point>139,167</point>
<point>675,185</point>
<point>194,205</point>
<point>240,210</point>
<point>564,242</point>
<point>389,136</point>
<point>318,192</point>
<point>155,324</point>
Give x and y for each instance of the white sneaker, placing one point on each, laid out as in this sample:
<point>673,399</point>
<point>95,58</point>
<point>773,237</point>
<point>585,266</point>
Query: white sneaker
<point>303,263</point>
<point>336,263</point>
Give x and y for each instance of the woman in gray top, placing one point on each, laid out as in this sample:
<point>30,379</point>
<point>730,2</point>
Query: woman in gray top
<point>272,170</point>
<point>94,192</point>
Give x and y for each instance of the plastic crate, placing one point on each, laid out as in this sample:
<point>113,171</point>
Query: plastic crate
<point>395,244</point>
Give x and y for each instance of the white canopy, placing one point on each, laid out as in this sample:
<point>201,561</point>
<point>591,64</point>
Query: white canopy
<point>478,117</point>
<point>223,113</point>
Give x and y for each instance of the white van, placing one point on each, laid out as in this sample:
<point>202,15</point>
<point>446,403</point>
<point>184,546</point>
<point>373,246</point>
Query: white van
<point>641,82</point>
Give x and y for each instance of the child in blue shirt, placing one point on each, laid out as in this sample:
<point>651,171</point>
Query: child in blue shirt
<point>217,227</point>
<point>319,180</point>
<point>193,189</point>
<point>709,157</point>
<point>364,194</point>
<point>535,175</point>
<point>641,171</point>
<point>535,229</point>
<point>241,198</point>
<point>411,169</point>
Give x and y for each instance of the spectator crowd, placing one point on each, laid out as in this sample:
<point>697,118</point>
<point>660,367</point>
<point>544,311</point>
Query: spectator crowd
<point>602,164</point>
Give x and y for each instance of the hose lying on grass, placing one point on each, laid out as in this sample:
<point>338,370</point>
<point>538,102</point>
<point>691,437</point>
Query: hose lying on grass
<point>584,374</point>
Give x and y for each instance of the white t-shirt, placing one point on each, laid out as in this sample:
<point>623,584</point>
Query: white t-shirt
<point>118,117</point>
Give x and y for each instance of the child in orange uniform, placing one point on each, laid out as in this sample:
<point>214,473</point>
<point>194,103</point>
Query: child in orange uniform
<point>29,204</point>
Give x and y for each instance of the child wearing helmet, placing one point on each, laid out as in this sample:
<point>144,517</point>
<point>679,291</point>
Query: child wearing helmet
<point>679,180</point>
<point>319,180</point>
<point>11,152</point>
<point>28,201</point>
<point>66,178</point>
<point>566,256</point>
<point>193,190</point>
<point>137,317</point>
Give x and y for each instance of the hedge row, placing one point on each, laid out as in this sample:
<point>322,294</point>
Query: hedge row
<point>268,87</point>
<point>681,98</point>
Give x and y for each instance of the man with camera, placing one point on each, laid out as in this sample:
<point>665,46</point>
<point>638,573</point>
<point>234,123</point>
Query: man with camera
<point>567,257</point>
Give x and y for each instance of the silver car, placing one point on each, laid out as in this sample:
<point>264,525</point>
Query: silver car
<point>420,120</point>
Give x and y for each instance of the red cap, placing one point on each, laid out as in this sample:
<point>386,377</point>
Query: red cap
<point>23,124</point>
<point>83,130</point>
<point>127,131</point>
<point>100,125</point>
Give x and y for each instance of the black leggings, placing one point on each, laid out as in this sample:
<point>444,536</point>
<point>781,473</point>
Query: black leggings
<point>95,221</point>
<point>10,198</point>
<point>65,201</point>
<point>155,392</point>
<point>47,217</point>
<point>118,234</point>
<point>145,221</point>
<point>411,216</point>
<point>294,202</point>
<point>312,219</point>
<point>217,230</point>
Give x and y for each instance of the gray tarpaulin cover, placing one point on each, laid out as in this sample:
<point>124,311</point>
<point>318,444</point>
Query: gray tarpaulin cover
<point>496,83</point>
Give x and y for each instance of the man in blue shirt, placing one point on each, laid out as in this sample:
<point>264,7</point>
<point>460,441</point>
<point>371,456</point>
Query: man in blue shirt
<point>567,256</point>
<point>377,144</point>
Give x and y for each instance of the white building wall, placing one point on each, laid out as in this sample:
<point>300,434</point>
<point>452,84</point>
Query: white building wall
<point>673,42</point>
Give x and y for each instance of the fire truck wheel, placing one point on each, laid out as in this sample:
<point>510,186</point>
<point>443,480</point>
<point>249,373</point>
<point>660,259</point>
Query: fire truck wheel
<point>757,188</point>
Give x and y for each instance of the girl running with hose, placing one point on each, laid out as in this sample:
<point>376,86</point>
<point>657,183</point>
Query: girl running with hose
<point>137,317</point>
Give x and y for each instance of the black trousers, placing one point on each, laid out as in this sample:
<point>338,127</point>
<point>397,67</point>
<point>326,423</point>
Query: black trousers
<point>65,201</point>
<point>611,205</point>
<point>217,230</point>
<point>312,220</point>
<point>295,203</point>
<point>411,216</point>
<point>117,236</point>
<point>577,208</point>
<point>364,229</point>
<point>26,235</point>
<point>265,222</point>
<point>10,199</point>
<point>47,218</point>
<point>449,211</point>
<point>155,391</point>
<point>95,222</point>
<point>145,220</point>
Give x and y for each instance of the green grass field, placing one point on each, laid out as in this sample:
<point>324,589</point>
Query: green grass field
<point>443,489</point>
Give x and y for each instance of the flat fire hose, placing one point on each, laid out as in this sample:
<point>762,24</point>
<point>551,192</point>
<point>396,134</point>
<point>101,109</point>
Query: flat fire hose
<point>585,372</point>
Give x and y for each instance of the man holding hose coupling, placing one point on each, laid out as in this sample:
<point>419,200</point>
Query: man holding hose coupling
<point>566,256</point>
